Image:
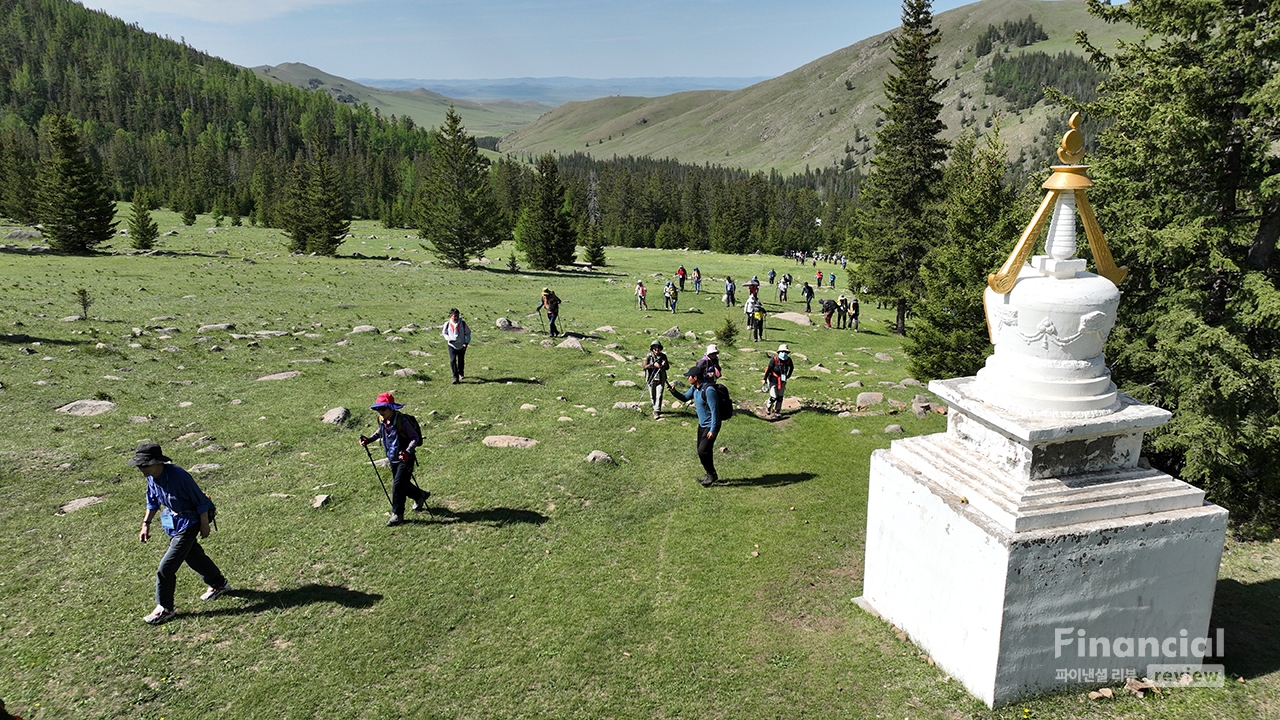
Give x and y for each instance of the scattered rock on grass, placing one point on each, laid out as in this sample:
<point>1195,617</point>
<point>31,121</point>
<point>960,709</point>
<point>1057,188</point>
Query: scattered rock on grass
<point>571,343</point>
<point>624,383</point>
<point>599,456</point>
<point>672,333</point>
<point>336,416</point>
<point>363,329</point>
<point>320,501</point>
<point>867,399</point>
<point>795,317</point>
<point>202,467</point>
<point>528,406</point>
<point>884,357</point>
<point>216,327</point>
<point>638,407</point>
<point>79,504</point>
<point>893,429</point>
<point>87,408</point>
<point>508,325</point>
<point>405,372</point>
<point>509,441</point>
<point>282,375</point>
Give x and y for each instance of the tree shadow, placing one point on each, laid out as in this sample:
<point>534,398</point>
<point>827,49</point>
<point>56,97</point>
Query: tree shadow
<point>1249,613</point>
<point>769,480</point>
<point>551,273</point>
<point>502,381</point>
<point>20,338</point>
<point>497,517</point>
<point>310,594</point>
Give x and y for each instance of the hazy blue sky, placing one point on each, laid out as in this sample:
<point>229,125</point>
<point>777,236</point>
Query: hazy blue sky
<point>514,38</point>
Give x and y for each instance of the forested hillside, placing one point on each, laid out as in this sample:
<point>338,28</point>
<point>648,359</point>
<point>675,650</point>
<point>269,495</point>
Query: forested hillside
<point>196,132</point>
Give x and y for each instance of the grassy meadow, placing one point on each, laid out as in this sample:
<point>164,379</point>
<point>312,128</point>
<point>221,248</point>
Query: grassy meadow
<point>539,586</point>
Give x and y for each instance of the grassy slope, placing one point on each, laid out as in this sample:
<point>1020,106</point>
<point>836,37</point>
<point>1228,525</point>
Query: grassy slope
<point>425,107</point>
<point>787,123</point>
<point>540,587</point>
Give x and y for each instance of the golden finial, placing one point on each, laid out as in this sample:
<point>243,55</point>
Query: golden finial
<point>1069,177</point>
<point>1072,150</point>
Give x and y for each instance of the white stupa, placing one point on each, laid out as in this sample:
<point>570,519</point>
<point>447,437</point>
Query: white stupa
<point>1033,524</point>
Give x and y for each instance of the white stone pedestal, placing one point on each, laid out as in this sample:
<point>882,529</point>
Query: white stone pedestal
<point>1013,548</point>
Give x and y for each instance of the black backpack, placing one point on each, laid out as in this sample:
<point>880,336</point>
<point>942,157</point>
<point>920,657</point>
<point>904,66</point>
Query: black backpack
<point>413,423</point>
<point>724,405</point>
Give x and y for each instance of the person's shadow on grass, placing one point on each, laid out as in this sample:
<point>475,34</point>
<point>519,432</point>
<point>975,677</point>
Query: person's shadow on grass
<point>769,480</point>
<point>497,517</point>
<point>309,594</point>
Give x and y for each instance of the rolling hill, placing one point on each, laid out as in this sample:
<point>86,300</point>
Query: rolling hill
<point>823,112</point>
<point>427,108</point>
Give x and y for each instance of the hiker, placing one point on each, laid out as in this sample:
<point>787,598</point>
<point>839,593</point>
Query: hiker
<point>842,311</point>
<point>828,309</point>
<point>772,275</point>
<point>753,286</point>
<point>675,296</point>
<point>784,284</point>
<point>457,336</point>
<point>666,296</point>
<point>818,275</point>
<point>831,279</point>
<point>780,370</point>
<point>706,401</point>
<point>747,307</point>
<point>184,514</point>
<point>552,305</point>
<point>806,294</point>
<point>853,313</point>
<point>641,293</point>
<point>655,367</point>
<point>755,319</point>
<point>400,438</point>
<point>697,281</point>
<point>710,363</point>
<point>729,290</point>
<point>680,275</point>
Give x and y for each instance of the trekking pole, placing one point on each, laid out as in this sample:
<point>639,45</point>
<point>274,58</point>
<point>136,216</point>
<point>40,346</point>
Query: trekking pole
<point>375,472</point>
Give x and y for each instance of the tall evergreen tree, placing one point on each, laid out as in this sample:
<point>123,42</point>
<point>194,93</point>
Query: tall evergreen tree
<point>296,218</point>
<point>143,231</point>
<point>544,232</point>
<point>329,206</point>
<point>594,237</point>
<point>71,198</point>
<point>1188,192</point>
<point>18,151</point>
<point>899,219</point>
<point>457,215</point>
<point>948,337</point>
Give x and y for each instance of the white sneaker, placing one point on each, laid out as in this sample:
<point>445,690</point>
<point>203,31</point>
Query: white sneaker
<point>214,592</point>
<point>158,616</point>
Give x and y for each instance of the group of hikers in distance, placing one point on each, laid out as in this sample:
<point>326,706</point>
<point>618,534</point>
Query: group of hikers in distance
<point>187,513</point>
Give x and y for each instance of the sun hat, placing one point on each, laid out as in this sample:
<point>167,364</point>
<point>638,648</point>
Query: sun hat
<point>148,454</point>
<point>386,400</point>
<point>712,349</point>
<point>656,344</point>
<point>783,348</point>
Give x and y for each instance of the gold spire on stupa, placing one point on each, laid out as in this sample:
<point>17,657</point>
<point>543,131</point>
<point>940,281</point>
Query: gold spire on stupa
<point>1069,177</point>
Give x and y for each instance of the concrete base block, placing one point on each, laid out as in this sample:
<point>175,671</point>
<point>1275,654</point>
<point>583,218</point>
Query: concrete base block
<point>1006,612</point>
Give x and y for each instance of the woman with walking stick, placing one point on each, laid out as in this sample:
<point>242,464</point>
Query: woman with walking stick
<point>400,438</point>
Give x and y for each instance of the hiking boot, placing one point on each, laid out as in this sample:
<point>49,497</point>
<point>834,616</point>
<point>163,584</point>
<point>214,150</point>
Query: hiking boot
<point>159,616</point>
<point>214,592</point>
<point>421,503</point>
<point>705,481</point>
<point>394,521</point>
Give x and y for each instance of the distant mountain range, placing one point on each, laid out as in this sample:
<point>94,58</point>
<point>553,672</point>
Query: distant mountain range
<point>559,90</point>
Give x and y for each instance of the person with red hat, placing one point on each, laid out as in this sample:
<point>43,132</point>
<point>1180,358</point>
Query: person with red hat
<point>401,437</point>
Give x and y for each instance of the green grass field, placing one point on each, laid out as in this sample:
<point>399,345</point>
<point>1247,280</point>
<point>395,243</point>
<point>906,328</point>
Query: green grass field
<point>540,586</point>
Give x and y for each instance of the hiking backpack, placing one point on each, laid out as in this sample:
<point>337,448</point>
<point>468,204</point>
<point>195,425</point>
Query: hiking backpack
<point>724,405</point>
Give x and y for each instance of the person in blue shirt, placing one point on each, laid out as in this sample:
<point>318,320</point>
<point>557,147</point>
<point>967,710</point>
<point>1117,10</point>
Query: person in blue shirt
<point>400,439</point>
<point>702,393</point>
<point>185,517</point>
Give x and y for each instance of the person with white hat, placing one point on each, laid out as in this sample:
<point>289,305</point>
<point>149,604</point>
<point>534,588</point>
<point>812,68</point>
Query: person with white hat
<point>710,363</point>
<point>842,311</point>
<point>775,378</point>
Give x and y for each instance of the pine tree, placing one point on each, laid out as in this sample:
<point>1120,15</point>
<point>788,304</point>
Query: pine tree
<point>18,152</point>
<point>948,337</point>
<point>1186,188</point>
<point>457,215</point>
<point>594,240</point>
<point>899,219</point>
<point>143,231</point>
<point>296,218</point>
<point>328,207</point>
<point>71,198</point>
<point>544,232</point>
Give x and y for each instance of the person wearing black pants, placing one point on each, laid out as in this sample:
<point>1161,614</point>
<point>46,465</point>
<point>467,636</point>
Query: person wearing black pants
<point>705,398</point>
<point>458,336</point>
<point>185,519</point>
<point>401,439</point>
<point>551,304</point>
